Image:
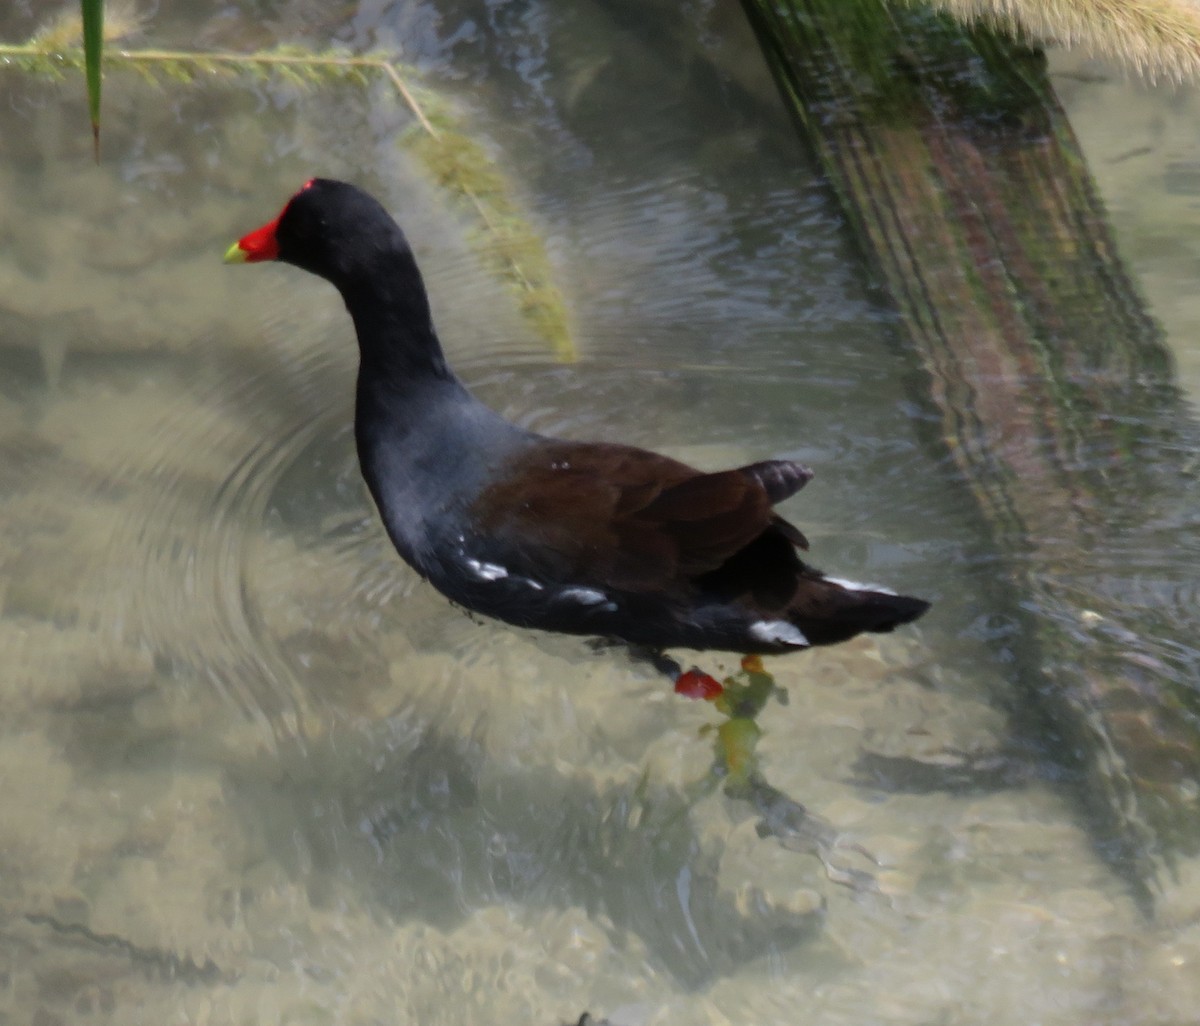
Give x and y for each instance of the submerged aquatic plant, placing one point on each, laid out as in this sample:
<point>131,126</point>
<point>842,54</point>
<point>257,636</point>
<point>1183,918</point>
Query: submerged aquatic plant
<point>740,697</point>
<point>458,163</point>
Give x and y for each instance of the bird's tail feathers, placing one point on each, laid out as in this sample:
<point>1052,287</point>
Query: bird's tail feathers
<point>831,609</point>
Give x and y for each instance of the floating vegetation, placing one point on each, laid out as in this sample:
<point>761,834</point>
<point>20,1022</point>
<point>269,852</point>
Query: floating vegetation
<point>457,162</point>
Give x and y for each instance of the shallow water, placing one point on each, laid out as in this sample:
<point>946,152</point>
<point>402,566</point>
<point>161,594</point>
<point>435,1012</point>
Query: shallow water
<point>254,772</point>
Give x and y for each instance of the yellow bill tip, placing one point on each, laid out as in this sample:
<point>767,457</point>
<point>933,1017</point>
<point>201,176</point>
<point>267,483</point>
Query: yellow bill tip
<point>235,254</point>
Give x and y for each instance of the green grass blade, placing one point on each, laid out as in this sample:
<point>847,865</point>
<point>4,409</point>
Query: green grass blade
<point>92,12</point>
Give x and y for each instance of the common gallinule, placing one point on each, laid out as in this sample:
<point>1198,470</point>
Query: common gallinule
<point>580,537</point>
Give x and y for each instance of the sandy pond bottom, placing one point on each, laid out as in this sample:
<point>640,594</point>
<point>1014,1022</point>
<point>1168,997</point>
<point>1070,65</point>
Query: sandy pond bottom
<point>511,844</point>
<point>304,790</point>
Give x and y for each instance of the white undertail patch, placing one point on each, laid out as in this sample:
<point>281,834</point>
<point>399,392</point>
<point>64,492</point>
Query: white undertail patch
<point>858,586</point>
<point>778,632</point>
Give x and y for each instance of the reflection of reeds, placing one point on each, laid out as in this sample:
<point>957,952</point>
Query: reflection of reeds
<point>966,190</point>
<point>1159,38</point>
<point>457,162</point>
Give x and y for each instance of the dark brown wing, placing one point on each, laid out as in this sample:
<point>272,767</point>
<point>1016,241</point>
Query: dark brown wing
<point>619,516</point>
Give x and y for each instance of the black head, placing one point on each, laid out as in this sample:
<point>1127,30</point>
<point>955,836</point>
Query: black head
<point>337,231</point>
<point>329,228</point>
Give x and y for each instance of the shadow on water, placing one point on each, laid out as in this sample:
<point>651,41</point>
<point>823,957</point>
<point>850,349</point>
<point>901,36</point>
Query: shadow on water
<point>425,827</point>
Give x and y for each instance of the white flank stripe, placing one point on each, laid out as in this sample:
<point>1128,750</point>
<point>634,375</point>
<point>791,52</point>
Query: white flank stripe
<point>486,571</point>
<point>585,596</point>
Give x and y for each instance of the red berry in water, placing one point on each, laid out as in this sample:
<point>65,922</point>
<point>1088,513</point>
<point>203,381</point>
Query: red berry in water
<point>697,684</point>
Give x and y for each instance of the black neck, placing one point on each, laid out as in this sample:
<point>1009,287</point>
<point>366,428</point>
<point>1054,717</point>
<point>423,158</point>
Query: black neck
<point>396,338</point>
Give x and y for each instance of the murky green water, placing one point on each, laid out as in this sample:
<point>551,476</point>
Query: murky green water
<point>253,772</point>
